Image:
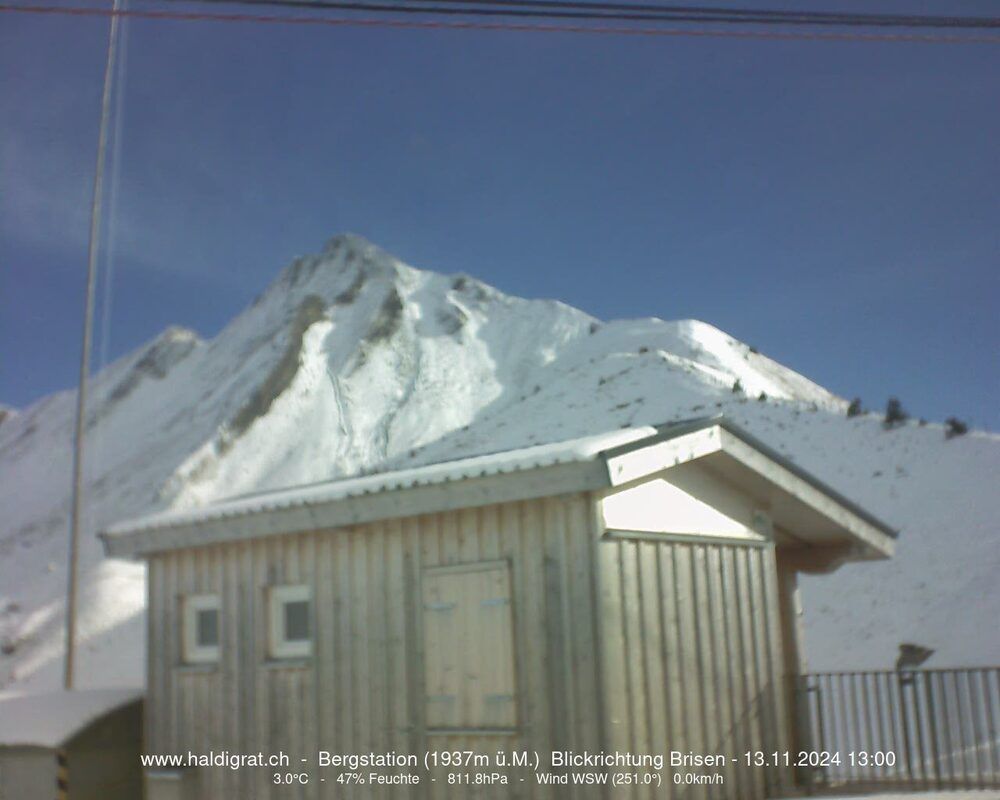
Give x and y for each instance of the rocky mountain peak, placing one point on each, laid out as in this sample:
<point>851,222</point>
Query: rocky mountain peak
<point>354,362</point>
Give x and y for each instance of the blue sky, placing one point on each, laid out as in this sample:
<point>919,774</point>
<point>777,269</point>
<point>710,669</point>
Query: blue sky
<point>836,205</point>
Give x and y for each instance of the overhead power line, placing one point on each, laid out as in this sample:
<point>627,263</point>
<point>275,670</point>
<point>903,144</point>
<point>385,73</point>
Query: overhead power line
<point>497,25</point>
<point>638,12</point>
<point>742,15</point>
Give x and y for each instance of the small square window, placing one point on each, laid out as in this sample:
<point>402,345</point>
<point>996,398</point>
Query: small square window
<point>291,624</point>
<point>200,623</point>
<point>297,620</point>
<point>207,627</point>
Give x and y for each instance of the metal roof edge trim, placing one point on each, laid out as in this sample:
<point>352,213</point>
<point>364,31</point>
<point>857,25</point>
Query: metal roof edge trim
<point>586,448</point>
<point>674,430</point>
<point>808,477</point>
<point>347,511</point>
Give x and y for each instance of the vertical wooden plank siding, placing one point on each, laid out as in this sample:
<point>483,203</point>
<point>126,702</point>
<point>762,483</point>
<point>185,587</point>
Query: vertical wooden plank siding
<point>363,689</point>
<point>637,645</point>
<point>157,613</point>
<point>690,648</point>
<point>655,684</point>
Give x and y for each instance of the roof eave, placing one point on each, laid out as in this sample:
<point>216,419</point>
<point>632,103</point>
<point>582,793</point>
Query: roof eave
<point>144,540</point>
<point>615,466</point>
<point>870,538</point>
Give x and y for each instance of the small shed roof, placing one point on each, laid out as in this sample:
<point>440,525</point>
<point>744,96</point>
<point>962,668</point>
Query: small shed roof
<point>589,463</point>
<point>50,719</point>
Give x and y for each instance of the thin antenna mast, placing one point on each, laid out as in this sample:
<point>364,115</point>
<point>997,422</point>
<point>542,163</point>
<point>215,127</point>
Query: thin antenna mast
<point>88,327</point>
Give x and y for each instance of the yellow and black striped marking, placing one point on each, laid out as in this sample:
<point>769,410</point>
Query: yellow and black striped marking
<point>62,776</point>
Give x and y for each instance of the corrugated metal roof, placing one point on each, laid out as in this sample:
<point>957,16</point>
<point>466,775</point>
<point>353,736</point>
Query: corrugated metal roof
<point>570,451</point>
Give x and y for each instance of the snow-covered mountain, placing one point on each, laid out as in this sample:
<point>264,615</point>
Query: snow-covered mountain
<point>354,362</point>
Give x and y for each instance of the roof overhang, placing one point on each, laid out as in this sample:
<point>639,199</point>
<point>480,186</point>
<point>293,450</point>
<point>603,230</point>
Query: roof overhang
<point>802,509</point>
<point>589,464</point>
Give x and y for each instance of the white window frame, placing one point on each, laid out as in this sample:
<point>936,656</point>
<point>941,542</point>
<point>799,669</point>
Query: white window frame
<point>280,646</point>
<point>192,651</point>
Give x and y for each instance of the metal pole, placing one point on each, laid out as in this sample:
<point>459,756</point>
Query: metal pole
<point>88,325</point>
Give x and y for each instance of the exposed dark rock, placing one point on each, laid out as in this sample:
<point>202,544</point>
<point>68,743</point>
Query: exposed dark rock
<point>471,288</point>
<point>388,318</point>
<point>172,347</point>
<point>451,319</point>
<point>301,269</point>
<point>350,294</point>
<point>280,378</point>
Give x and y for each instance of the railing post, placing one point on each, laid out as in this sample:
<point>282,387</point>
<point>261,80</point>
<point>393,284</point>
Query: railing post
<point>820,723</point>
<point>975,709</point>
<point>803,722</point>
<point>932,730</point>
<point>991,730</point>
<point>919,724</point>
<point>947,729</point>
<point>904,718</point>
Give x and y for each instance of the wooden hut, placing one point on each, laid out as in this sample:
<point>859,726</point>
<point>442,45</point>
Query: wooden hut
<point>71,745</point>
<point>626,593</point>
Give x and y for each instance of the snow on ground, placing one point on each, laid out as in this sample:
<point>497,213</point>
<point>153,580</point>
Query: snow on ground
<point>49,719</point>
<point>981,794</point>
<point>352,362</point>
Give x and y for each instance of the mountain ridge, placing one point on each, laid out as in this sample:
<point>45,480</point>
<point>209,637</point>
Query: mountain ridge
<point>351,361</point>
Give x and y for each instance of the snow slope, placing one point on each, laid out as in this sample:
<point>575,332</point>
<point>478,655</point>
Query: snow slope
<point>352,362</point>
<point>956,795</point>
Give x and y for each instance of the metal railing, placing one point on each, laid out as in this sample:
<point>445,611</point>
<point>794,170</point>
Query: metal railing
<point>922,728</point>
